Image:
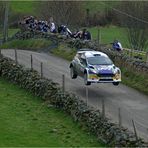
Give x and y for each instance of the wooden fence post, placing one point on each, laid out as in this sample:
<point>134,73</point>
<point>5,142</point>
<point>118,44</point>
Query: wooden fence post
<point>103,109</point>
<point>31,62</point>
<point>120,118</point>
<point>41,70</point>
<point>16,56</point>
<point>99,36</point>
<point>135,131</point>
<point>63,83</point>
<point>146,57</point>
<point>86,90</point>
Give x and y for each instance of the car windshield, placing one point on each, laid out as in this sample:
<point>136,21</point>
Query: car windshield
<point>99,60</point>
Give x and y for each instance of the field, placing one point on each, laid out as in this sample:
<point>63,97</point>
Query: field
<point>109,34</point>
<point>29,7</point>
<point>26,121</point>
<point>23,7</point>
<point>98,6</point>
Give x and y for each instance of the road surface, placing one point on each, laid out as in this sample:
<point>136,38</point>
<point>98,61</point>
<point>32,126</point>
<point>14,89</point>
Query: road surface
<point>133,104</point>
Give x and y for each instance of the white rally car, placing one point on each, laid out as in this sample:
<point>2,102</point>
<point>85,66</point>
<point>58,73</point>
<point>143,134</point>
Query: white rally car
<point>94,67</point>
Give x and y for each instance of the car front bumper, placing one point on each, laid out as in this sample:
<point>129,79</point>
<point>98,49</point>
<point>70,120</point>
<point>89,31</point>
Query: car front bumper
<point>93,78</point>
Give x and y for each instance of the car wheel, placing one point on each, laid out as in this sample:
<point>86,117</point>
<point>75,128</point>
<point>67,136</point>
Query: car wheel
<point>85,80</point>
<point>72,73</point>
<point>115,83</point>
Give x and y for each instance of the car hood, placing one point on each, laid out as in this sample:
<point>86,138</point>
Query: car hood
<point>105,69</point>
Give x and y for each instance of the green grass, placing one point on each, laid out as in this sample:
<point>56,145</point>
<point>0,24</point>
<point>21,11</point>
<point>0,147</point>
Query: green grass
<point>25,121</point>
<point>24,7</point>
<point>29,6</point>
<point>11,32</point>
<point>98,6</point>
<point>109,34</point>
<point>64,52</point>
<point>30,44</point>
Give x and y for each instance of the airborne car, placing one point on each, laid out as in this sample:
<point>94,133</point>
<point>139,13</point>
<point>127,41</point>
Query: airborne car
<point>94,67</point>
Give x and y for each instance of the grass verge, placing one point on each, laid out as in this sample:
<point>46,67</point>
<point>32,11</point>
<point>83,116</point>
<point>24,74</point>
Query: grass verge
<point>26,121</point>
<point>135,80</point>
<point>11,32</point>
<point>30,44</point>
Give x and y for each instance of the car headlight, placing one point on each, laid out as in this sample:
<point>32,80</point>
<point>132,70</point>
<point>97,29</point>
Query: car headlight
<point>117,74</point>
<point>92,69</point>
<point>116,71</point>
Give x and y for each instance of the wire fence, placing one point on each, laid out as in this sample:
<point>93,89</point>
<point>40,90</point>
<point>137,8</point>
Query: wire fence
<point>115,112</point>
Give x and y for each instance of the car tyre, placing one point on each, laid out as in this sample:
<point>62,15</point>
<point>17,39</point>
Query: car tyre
<point>72,73</point>
<point>85,80</point>
<point>115,83</point>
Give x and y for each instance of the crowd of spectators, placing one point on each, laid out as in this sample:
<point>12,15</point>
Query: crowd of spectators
<point>32,24</point>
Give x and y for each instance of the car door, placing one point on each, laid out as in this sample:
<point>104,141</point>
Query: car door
<point>82,66</point>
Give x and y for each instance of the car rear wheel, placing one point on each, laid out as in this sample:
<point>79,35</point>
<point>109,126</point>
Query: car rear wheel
<point>85,80</point>
<point>115,83</point>
<point>72,73</point>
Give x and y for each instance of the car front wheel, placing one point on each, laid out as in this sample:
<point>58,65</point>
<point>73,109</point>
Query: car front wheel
<point>115,83</point>
<point>85,80</point>
<point>72,73</point>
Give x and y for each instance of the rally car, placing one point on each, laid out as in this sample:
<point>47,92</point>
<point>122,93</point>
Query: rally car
<point>94,67</point>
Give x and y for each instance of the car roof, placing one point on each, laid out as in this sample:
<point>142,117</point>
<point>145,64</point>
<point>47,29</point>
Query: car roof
<point>91,53</point>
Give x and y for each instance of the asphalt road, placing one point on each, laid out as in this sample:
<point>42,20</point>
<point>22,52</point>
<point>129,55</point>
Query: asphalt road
<point>133,104</point>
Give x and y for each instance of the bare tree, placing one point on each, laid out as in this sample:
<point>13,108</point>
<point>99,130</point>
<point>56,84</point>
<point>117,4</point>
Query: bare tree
<point>63,12</point>
<point>134,16</point>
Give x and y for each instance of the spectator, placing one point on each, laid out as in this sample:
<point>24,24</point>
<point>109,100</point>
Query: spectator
<point>52,27</point>
<point>117,45</point>
<point>62,29</point>
<point>78,34</point>
<point>86,35</point>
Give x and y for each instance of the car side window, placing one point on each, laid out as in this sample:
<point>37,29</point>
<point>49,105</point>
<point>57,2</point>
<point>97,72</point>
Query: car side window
<point>83,62</point>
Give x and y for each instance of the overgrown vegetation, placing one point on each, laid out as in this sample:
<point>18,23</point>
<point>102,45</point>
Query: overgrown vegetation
<point>26,121</point>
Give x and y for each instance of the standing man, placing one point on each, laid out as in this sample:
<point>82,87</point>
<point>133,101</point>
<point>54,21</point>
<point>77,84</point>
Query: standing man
<point>52,26</point>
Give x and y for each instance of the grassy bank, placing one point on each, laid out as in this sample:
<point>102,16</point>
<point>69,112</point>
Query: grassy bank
<point>30,44</point>
<point>26,121</point>
<point>64,52</point>
<point>135,80</point>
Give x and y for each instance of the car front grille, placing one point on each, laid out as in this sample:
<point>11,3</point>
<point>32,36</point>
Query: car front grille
<point>106,80</point>
<point>105,75</point>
